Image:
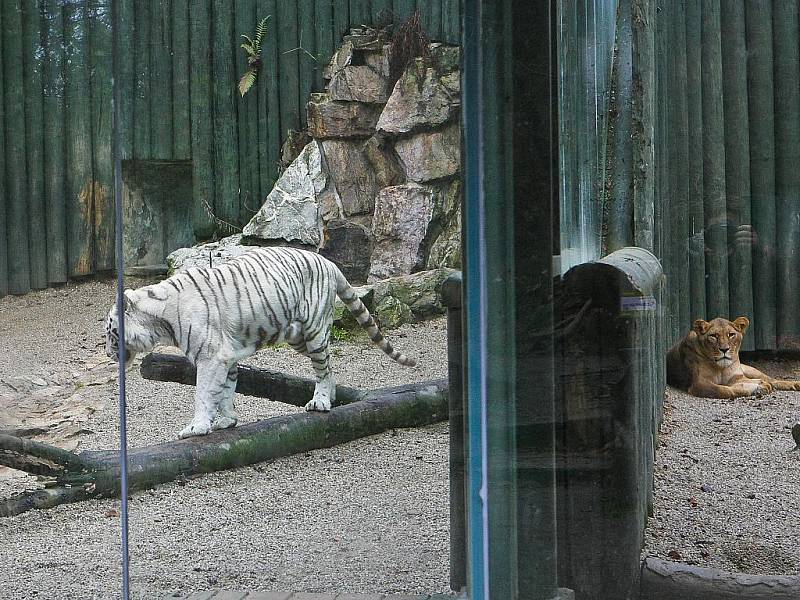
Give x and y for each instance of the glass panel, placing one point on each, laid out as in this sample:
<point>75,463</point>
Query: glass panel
<point>56,227</point>
<point>228,112</point>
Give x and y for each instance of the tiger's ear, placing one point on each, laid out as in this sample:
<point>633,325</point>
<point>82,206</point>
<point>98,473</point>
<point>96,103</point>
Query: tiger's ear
<point>741,324</point>
<point>701,326</point>
<point>128,299</point>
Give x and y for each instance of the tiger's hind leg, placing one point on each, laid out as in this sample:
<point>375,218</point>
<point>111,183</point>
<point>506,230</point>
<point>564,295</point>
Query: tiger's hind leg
<point>325,390</point>
<point>227,416</point>
<point>211,389</point>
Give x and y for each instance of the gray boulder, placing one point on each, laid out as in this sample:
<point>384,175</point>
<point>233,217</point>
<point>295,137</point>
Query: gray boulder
<point>445,58</point>
<point>294,144</point>
<point>291,211</point>
<point>398,300</point>
<point>366,38</point>
<point>400,225</point>
<point>382,158</point>
<point>422,98</point>
<point>206,255</point>
<point>337,119</point>
<point>352,175</point>
<point>349,246</point>
<point>409,298</point>
<point>358,75</point>
<point>431,155</point>
<point>445,251</point>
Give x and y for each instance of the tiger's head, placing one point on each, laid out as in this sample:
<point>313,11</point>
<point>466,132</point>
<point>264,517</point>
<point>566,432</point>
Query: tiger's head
<point>719,340</point>
<point>140,333</point>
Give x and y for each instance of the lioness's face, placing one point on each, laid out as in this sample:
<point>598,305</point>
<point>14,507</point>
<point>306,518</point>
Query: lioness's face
<point>720,339</point>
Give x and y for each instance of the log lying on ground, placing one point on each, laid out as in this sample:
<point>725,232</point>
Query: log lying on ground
<point>261,383</point>
<point>95,474</point>
<point>667,580</point>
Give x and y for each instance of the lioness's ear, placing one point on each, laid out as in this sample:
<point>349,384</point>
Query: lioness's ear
<point>741,324</point>
<point>701,326</point>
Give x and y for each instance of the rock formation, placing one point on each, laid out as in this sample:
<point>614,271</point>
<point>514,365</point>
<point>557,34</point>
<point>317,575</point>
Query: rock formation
<point>376,189</point>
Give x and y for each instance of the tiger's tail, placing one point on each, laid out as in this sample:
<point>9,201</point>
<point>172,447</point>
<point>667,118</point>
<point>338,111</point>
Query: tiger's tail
<point>354,304</point>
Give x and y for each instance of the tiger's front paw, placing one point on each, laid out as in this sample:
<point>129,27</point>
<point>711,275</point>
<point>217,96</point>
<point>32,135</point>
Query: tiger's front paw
<point>223,423</point>
<point>319,404</point>
<point>195,428</point>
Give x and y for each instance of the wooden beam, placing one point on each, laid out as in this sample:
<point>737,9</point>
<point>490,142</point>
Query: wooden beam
<point>33,59</point>
<point>261,383</point>
<point>19,281</point>
<point>761,108</point>
<point>667,580</point>
<point>94,474</point>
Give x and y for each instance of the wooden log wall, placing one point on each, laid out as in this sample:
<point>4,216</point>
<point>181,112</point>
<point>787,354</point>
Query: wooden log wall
<point>727,194</point>
<point>178,65</point>
<point>586,36</point>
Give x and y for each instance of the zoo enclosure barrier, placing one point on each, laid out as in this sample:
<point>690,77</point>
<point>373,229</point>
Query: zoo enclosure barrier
<point>610,384</point>
<point>181,117</point>
<point>678,133</point>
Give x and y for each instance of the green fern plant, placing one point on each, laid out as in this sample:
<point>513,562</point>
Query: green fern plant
<point>252,46</point>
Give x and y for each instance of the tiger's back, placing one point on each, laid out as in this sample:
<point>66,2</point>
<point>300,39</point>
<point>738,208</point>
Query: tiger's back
<point>223,314</point>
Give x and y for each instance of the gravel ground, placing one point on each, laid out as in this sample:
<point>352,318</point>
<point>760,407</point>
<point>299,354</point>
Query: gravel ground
<point>368,516</point>
<point>727,490</point>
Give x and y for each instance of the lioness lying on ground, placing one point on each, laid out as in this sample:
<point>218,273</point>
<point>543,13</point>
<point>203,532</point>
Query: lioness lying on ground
<point>706,363</point>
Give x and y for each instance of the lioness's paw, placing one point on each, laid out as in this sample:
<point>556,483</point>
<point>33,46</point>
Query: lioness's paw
<point>223,423</point>
<point>195,428</point>
<point>319,404</point>
<point>763,387</point>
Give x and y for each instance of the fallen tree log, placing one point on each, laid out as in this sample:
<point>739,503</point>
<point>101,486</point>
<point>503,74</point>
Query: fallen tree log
<point>95,474</point>
<point>668,580</point>
<point>260,383</point>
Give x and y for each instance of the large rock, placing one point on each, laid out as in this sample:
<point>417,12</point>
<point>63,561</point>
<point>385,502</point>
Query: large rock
<point>398,300</point>
<point>400,226</point>
<point>353,176</point>
<point>385,166</point>
<point>344,318</point>
<point>295,143</point>
<point>366,38</point>
<point>422,98</point>
<point>409,298</point>
<point>445,58</point>
<point>359,75</point>
<point>349,245</point>
<point>291,211</point>
<point>210,254</point>
<point>431,155</point>
<point>445,251</point>
<point>337,119</point>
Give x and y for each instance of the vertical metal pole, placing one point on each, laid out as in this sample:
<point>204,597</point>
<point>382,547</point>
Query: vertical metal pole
<point>123,438</point>
<point>475,313</point>
<point>451,297</point>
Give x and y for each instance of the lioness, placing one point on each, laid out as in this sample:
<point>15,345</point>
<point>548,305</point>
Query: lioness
<point>706,363</point>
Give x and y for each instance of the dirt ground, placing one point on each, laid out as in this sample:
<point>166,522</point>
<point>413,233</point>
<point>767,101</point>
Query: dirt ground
<point>727,481</point>
<point>368,516</point>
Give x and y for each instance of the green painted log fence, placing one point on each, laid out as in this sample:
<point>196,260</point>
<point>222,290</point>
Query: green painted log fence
<point>179,63</point>
<point>726,162</point>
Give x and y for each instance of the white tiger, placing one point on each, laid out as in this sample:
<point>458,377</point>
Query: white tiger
<point>221,315</point>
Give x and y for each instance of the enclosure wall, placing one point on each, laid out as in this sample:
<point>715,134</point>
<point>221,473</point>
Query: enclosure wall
<point>697,155</point>
<point>179,64</point>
